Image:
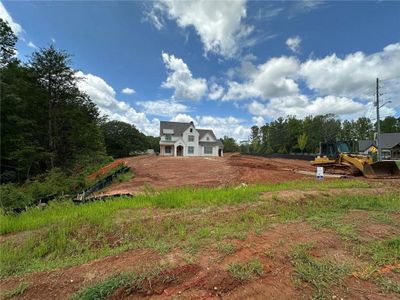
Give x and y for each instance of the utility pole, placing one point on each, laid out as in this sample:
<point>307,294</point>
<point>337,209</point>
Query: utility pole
<point>378,125</point>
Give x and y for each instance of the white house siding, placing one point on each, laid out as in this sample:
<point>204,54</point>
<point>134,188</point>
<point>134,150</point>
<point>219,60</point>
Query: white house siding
<point>180,137</point>
<point>214,151</point>
<point>195,143</point>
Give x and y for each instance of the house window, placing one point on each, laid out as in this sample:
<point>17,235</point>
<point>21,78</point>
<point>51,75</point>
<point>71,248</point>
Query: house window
<point>191,138</point>
<point>208,150</point>
<point>167,137</point>
<point>207,138</point>
<point>191,129</point>
<point>168,149</point>
<point>191,150</point>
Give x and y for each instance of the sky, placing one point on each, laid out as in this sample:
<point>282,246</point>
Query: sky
<point>226,65</point>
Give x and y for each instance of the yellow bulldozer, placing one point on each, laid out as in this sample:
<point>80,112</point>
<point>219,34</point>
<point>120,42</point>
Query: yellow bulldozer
<point>336,158</point>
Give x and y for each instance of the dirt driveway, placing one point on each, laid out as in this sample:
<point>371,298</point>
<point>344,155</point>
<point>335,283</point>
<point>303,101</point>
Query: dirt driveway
<point>165,172</point>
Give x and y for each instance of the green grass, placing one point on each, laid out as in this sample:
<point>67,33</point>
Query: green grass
<point>18,291</point>
<point>129,281</point>
<point>388,285</point>
<point>97,212</point>
<point>65,234</point>
<point>226,248</point>
<point>382,252</point>
<point>321,274</point>
<point>246,271</point>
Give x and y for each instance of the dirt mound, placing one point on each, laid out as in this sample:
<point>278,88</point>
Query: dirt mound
<point>104,170</point>
<point>157,172</point>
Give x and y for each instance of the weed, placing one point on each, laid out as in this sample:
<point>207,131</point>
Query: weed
<point>269,254</point>
<point>388,285</point>
<point>18,291</point>
<point>103,289</point>
<point>246,271</point>
<point>320,274</point>
<point>382,252</point>
<point>226,248</point>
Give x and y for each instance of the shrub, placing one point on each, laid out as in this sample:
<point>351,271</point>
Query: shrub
<point>11,197</point>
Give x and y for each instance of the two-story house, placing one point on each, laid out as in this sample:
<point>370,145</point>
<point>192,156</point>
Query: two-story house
<point>184,139</point>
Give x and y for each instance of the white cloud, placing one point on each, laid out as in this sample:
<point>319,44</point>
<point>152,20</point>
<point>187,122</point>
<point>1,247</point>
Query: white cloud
<point>216,91</point>
<point>274,78</point>
<point>128,91</point>
<point>229,126</point>
<point>164,108</point>
<point>53,40</point>
<point>182,118</point>
<point>103,95</point>
<point>259,121</point>
<point>16,28</point>
<point>32,45</point>
<point>353,75</point>
<point>294,43</point>
<point>301,106</point>
<point>154,16</point>
<point>218,23</point>
<point>180,79</point>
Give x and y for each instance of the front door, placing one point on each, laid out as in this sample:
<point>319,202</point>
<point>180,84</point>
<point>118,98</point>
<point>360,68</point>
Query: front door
<point>179,151</point>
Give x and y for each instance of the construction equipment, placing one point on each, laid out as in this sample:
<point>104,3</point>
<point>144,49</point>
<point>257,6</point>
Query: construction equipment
<point>336,158</point>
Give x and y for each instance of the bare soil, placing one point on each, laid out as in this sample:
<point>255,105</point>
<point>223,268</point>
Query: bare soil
<point>158,172</point>
<point>208,277</point>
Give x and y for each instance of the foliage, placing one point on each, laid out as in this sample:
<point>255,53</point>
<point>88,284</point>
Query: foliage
<point>7,41</point>
<point>122,139</point>
<point>283,135</point>
<point>390,124</point>
<point>302,141</point>
<point>230,144</point>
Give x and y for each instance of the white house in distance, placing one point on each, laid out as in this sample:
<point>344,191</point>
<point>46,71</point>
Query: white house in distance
<point>184,139</point>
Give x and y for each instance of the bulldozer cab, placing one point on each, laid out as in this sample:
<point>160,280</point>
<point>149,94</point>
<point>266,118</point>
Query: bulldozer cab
<point>333,149</point>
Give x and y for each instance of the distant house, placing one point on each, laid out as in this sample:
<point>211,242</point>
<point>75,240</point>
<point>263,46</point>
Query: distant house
<point>184,139</point>
<point>390,144</point>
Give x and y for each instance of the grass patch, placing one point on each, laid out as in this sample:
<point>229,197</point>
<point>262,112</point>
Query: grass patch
<point>76,234</point>
<point>253,268</point>
<point>105,288</point>
<point>226,248</point>
<point>382,252</point>
<point>128,281</point>
<point>321,274</point>
<point>388,285</point>
<point>18,291</point>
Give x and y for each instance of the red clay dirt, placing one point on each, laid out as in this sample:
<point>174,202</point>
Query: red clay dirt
<point>160,172</point>
<point>207,277</point>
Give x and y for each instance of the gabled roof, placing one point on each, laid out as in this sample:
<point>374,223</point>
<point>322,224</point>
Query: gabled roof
<point>203,132</point>
<point>177,127</point>
<point>388,141</point>
<point>365,144</point>
<point>180,127</point>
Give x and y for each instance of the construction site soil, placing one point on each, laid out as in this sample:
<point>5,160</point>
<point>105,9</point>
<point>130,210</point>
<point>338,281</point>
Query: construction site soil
<point>160,172</point>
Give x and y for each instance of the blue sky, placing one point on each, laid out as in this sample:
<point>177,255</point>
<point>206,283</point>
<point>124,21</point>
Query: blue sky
<point>224,64</point>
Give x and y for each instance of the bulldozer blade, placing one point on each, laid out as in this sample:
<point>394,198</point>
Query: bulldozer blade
<point>382,169</point>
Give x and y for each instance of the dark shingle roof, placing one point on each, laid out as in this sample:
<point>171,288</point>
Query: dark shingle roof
<point>178,127</point>
<point>365,144</point>
<point>203,132</point>
<point>388,141</point>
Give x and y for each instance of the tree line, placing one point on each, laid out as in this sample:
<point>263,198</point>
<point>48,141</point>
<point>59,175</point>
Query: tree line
<point>47,122</point>
<point>293,135</point>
